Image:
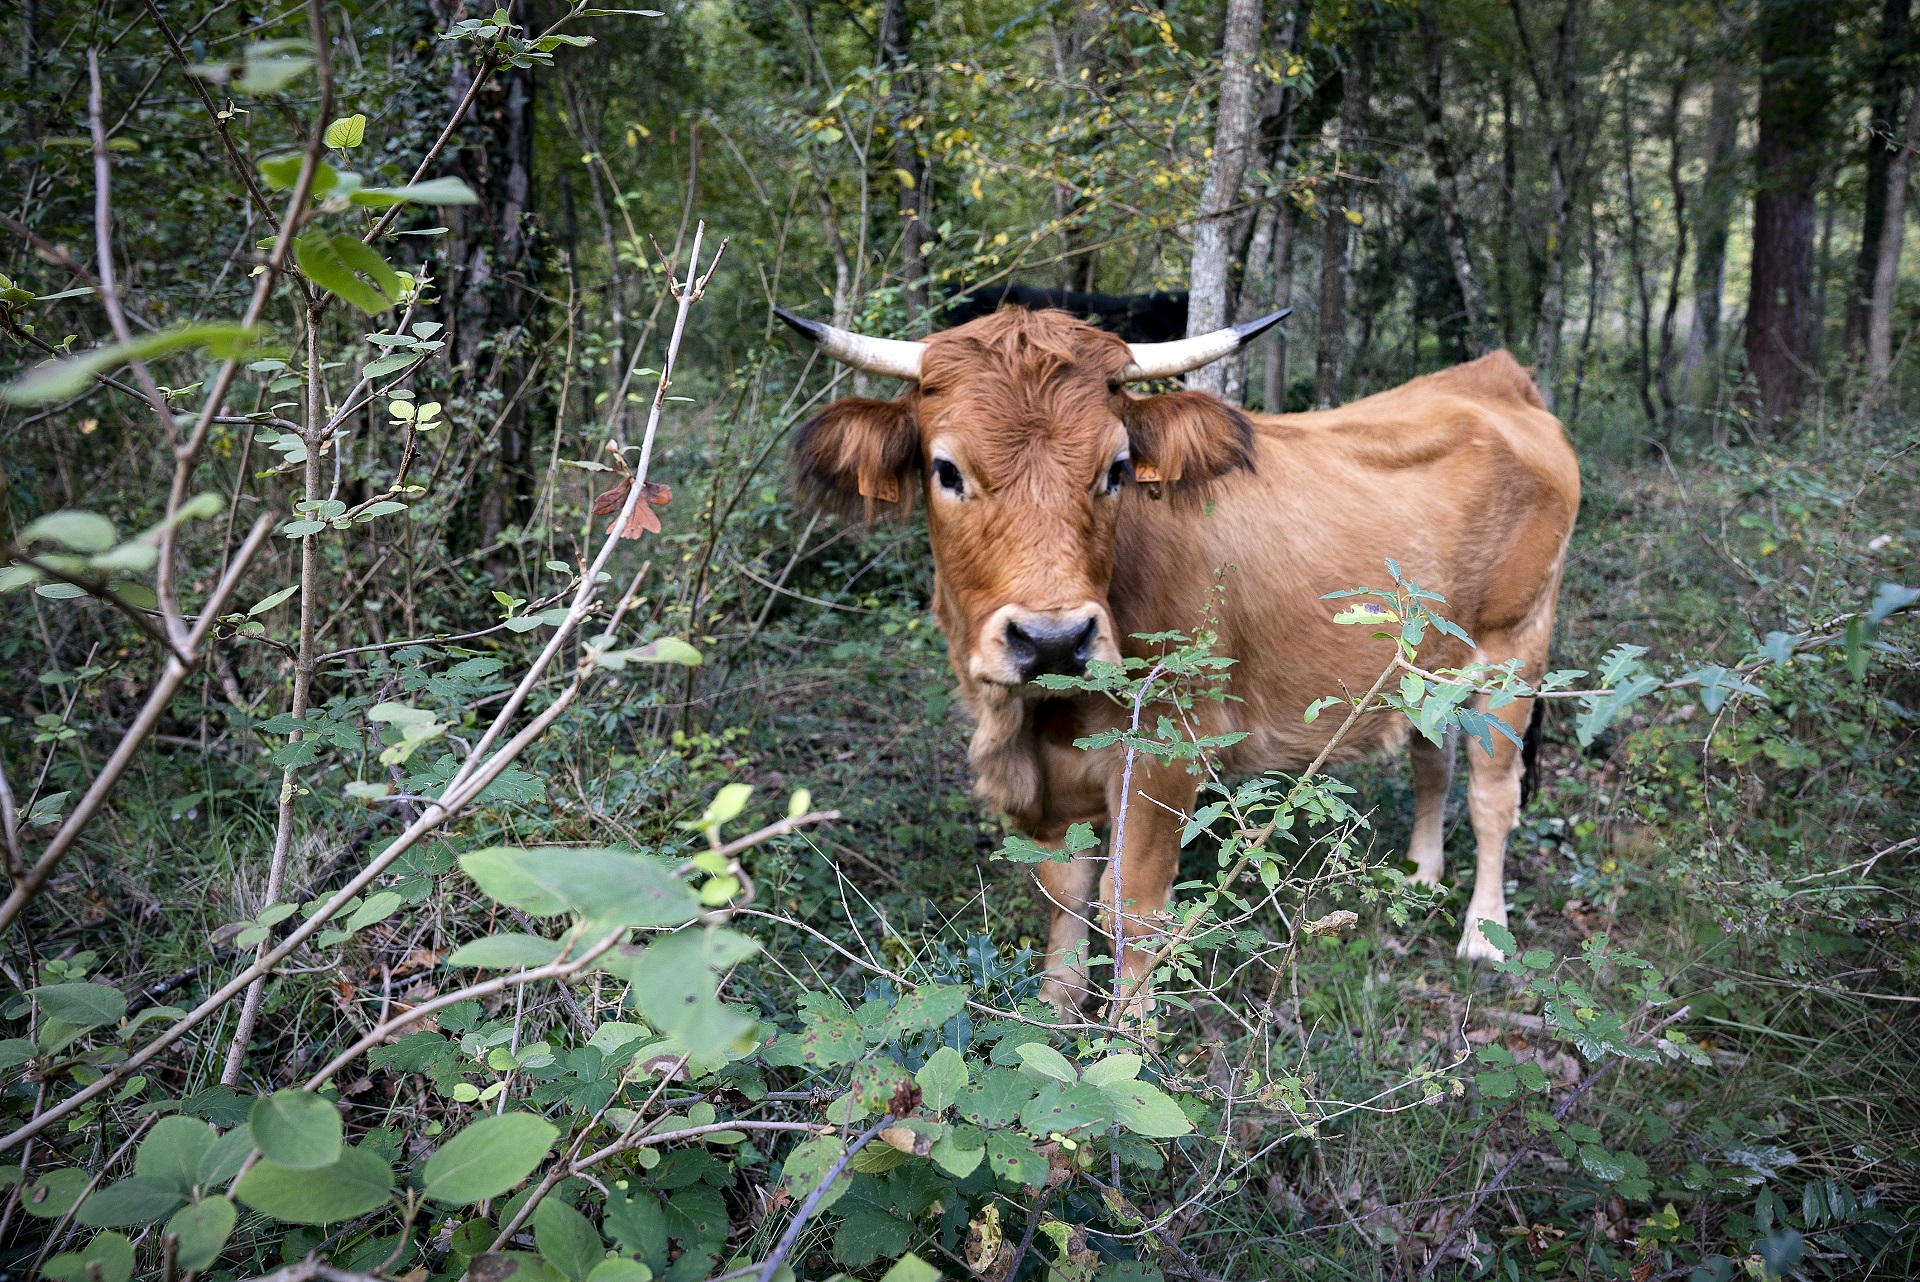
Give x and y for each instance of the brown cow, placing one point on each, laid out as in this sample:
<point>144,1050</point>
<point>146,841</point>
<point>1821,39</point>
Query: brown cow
<point>1050,553</point>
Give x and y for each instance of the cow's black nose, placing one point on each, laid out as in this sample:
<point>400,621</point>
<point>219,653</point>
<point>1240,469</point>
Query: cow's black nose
<point>1038,648</point>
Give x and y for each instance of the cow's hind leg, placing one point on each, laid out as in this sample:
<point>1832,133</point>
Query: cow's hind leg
<point>1493,789</point>
<point>1493,803</point>
<point>1068,887</point>
<point>1432,779</point>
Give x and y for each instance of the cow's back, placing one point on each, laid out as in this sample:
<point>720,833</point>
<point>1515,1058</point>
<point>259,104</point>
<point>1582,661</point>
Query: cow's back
<point>1463,477</point>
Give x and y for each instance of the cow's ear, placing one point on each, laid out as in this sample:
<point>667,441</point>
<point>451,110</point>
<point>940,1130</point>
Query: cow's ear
<point>1185,439</point>
<point>859,456</point>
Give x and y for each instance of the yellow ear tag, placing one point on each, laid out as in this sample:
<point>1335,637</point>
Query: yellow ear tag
<point>1145,472</point>
<point>884,488</point>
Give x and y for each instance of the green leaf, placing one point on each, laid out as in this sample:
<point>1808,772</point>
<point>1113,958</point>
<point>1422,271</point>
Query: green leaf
<point>1146,1110</point>
<point>941,1079</point>
<point>354,1185</point>
<point>296,1129</point>
<point>203,1229</point>
<point>349,131</point>
<point>911,1268</point>
<point>675,982</point>
<point>434,191</point>
<point>611,886</point>
<point>929,1006</point>
<point>566,1240</point>
<point>959,1162</point>
<point>620,1270</point>
<point>336,264</point>
<point>130,1202</point>
<point>15,1051</point>
<point>1010,1157</point>
<point>377,908</point>
<point>488,1158</point>
<point>1499,936</point>
<point>74,531</point>
<point>267,603</point>
<point>1067,1107</point>
<point>172,1154</point>
<point>1042,1060</point>
<point>997,1098</point>
<point>62,1189</point>
<point>84,1005</point>
<point>270,74</point>
<point>108,1257</point>
<point>506,952</point>
<point>63,380</point>
<point>223,1160</point>
<point>1114,1068</point>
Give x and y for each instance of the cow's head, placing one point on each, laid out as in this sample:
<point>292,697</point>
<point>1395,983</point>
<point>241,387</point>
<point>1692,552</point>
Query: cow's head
<point>1020,430</point>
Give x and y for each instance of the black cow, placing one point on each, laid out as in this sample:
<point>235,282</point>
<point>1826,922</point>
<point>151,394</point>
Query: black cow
<point>1158,317</point>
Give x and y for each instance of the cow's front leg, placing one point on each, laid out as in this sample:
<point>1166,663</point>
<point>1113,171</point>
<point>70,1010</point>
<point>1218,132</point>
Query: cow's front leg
<point>1157,807</point>
<point>1432,778</point>
<point>1068,887</point>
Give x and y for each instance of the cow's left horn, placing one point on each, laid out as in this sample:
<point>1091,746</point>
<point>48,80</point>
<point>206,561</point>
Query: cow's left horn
<point>1165,360</point>
<point>893,357</point>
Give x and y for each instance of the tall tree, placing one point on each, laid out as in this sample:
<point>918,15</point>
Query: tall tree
<point>1560,102</point>
<point>1717,190</point>
<point>1678,189</point>
<point>1208,300</point>
<point>1336,224</point>
<point>1793,38</point>
<point>1446,183</point>
<point>896,55</point>
<point>1886,275</point>
<point>1269,254</point>
<point>1889,80</point>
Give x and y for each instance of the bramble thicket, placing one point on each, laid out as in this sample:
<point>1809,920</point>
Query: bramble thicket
<point>465,818</point>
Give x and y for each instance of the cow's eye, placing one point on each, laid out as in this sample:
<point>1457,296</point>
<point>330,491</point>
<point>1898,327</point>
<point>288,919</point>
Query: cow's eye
<point>949,477</point>
<point>1117,474</point>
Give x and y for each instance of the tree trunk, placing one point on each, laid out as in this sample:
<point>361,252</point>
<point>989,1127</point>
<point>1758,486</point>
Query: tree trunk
<point>1886,274</point>
<point>1207,298</point>
<point>1679,190</point>
<point>1273,344</point>
<point>1793,39</point>
<point>1717,190</point>
<point>1446,184</point>
<point>1896,37</point>
<point>1336,230</point>
<point>1641,322</point>
<point>1509,178</point>
<point>909,175</point>
<point>1560,105</point>
<point>492,277</point>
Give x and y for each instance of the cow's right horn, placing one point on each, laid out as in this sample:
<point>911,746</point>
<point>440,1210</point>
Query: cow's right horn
<point>1166,360</point>
<point>893,357</point>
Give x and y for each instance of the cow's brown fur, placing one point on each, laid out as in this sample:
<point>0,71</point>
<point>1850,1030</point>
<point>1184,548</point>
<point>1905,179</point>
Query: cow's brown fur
<point>1462,476</point>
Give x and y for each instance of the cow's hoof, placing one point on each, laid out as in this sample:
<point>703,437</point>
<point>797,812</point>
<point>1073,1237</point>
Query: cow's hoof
<point>1475,947</point>
<point>1425,877</point>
